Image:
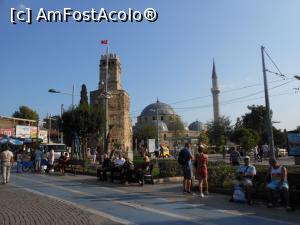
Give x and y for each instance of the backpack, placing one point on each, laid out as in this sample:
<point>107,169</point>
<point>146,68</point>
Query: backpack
<point>181,157</point>
<point>239,195</point>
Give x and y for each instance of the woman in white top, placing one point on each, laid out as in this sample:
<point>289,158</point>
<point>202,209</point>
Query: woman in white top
<point>278,182</point>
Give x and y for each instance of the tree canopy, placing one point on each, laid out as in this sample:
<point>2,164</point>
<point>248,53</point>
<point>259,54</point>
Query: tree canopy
<point>83,96</point>
<point>245,137</point>
<point>219,131</point>
<point>25,112</point>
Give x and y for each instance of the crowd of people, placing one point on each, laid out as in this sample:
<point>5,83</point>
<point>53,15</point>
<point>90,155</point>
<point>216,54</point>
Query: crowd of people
<point>36,160</point>
<point>124,169</point>
<point>245,179</point>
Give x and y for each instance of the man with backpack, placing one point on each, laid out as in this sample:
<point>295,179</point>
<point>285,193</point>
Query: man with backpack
<point>244,180</point>
<point>185,160</point>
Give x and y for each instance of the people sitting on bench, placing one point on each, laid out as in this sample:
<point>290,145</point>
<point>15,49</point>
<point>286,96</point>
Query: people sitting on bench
<point>244,179</point>
<point>128,171</point>
<point>105,166</point>
<point>277,181</point>
<point>117,167</point>
<point>63,162</point>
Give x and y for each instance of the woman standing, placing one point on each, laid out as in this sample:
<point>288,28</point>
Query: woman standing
<point>202,164</point>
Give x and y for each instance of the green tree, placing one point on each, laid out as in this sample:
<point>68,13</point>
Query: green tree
<point>256,120</point>
<point>280,138</point>
<point>219,131</point>
<point>145,132</point>
<point>25,112</point>
<point>247,138</point>
<point>86,121</point>
<point>83,96</point>
<point>203,137</point>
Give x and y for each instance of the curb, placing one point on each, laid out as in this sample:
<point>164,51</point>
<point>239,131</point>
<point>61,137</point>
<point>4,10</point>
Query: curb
<point>168,180</point>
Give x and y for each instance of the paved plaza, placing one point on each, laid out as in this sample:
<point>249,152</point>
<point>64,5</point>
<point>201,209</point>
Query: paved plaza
<point>21,207</point>
<point>52,199</point>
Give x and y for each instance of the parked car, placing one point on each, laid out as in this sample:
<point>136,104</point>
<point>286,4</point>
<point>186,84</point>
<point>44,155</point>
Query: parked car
<point>282,152</point>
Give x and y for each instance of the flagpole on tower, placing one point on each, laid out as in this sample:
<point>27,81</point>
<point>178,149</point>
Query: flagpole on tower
<point>106,97</point>
<point>106,100</point>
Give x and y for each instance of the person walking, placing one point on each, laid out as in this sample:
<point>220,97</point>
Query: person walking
<point>38,158</point>
<point>187,168</point>
<point>7,159</point>
<point>202,164</point>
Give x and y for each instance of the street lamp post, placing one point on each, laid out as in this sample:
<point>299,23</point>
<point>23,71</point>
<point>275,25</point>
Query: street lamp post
<point>51,90</point>
<point>268,114</point>
<point>72,106</point>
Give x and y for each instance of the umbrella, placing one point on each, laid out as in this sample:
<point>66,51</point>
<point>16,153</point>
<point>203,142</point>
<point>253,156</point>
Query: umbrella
<point>7,140</point>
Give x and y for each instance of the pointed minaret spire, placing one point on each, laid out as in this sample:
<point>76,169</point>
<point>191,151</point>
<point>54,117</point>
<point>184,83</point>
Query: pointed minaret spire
<point>214,74</point>
<point>215,93</point>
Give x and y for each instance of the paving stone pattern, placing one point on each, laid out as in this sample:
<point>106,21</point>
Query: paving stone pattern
<point>19,207</point>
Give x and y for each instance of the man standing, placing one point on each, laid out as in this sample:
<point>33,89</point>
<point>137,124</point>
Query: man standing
<point>7,159</point>
<point>187,168</point>
<point>38,158</point>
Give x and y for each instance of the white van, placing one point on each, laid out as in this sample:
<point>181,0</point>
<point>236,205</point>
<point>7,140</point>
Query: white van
<point>58,149</point>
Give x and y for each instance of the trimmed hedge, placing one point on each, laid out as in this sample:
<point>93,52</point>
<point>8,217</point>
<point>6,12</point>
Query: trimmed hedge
<point>220,174</point>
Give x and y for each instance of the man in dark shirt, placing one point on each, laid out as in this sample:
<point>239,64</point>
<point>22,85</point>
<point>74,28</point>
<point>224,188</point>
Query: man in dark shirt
<point>105,166</point>
<point>187,168</point>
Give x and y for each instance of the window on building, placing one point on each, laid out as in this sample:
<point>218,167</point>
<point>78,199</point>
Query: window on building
<point>146,118</point>
<point>153,118</point>
<point>161,118</point>
<point>165,137</point>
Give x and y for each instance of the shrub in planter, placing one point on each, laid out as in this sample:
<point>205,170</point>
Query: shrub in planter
<point>169,168</point>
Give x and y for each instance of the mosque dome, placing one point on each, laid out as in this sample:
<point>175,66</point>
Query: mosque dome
<point>196,126</point>
<point>153,123</point>
<point>163,109</point>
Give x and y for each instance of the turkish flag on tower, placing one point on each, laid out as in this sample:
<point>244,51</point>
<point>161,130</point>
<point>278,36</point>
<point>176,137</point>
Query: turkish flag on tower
<point>104,42</point>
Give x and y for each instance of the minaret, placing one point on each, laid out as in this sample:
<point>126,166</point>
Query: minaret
<point>215,93</point>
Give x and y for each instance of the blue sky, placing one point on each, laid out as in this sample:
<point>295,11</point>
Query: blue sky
<point>170,59</point>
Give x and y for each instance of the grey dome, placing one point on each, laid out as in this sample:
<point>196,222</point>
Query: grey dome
<point>153,123</point>
<point>163,109</point>
<point>196,126</point>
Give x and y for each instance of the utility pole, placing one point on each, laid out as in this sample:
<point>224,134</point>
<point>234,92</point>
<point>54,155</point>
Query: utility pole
<point>61,114</point>
<point>49,129</point>
<point>268,114</point>
<point>73,90</point>
<point>157,124</point>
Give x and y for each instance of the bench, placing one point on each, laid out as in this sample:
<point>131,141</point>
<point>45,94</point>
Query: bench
<point>294,183</point>
<point>75,164</point>
<point>136,175</point>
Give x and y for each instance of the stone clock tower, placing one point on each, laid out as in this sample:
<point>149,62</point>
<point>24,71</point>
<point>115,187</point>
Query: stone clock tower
<point>118,104</point>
